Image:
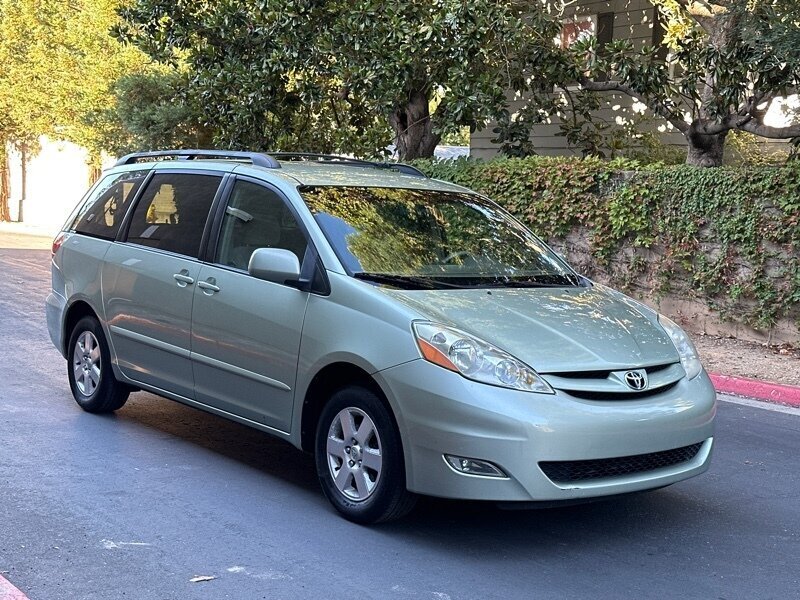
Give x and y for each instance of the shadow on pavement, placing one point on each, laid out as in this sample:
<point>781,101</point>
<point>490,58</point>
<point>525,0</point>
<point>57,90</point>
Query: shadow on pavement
<point>447,525</point>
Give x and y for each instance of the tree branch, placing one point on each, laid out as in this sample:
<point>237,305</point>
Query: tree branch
<point>726,124</point>
<point>751,125</point>
<point>656,106</point>
<point>773,133</point>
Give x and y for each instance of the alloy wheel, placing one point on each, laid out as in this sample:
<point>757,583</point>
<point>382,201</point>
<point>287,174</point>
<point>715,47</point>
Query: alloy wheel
<point>354,454</point>
<point>86,363</point>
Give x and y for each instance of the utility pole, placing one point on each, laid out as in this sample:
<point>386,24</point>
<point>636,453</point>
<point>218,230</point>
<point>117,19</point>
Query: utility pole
<point>5,209</point>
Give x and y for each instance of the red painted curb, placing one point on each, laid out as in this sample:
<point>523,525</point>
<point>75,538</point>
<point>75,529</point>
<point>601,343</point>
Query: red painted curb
<point>760,390</point>
<point>9,592</point>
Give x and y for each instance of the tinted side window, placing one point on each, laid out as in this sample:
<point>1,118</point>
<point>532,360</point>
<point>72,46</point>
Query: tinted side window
<point>257,217</point>
<point>103,212</point>
<point>173,211</point>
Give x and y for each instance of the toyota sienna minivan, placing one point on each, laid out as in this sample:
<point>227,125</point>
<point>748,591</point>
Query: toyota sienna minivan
<point>408,332</point>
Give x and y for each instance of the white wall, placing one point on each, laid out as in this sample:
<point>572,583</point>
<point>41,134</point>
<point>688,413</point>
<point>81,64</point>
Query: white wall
<point>57,178</point>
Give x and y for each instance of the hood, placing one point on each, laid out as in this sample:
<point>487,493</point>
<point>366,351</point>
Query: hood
<point>554,330</point>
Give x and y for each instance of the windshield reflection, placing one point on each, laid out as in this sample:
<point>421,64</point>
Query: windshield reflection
<point>424,239</point>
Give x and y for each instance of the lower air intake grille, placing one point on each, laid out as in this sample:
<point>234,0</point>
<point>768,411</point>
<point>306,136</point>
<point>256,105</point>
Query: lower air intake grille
<point>581,470</point>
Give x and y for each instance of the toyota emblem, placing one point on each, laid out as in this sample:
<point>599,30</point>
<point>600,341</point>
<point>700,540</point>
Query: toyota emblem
<point>636,380</point>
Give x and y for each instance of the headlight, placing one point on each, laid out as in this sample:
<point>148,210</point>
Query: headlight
<point>684,346</point>
<point>475,359</point>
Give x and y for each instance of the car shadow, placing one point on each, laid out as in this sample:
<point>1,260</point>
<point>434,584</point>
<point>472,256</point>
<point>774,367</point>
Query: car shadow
<point>245,445</point>
<point>451,524</point>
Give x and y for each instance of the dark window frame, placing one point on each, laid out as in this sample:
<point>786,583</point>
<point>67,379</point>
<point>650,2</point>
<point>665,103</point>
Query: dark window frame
<point>219,217</point>
<point>210,218</point>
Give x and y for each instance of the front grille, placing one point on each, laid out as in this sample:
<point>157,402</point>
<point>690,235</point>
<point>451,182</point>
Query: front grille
<point>610,385</point>
<point>651,370</point>
<point>581,470</point>
<point>591,395</point>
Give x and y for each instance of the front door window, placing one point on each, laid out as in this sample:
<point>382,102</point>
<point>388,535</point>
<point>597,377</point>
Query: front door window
<point>257,217</point>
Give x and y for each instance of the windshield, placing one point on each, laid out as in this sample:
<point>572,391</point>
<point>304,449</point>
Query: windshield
<point>429,239</point>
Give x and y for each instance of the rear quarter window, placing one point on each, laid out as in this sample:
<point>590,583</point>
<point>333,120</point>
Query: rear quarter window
<point>103,211</point>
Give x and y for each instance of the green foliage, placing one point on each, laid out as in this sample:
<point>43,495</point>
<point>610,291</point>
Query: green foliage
<point>747,149</point>
<point>58,66</point>
<point>365,73</point>
<point>727,61</point>
<point>727,237</point>
<point>151,112</point>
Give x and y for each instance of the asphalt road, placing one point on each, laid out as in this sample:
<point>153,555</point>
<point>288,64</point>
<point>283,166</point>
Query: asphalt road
<point>136,504</point>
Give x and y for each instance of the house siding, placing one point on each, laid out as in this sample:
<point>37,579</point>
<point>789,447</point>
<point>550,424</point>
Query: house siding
<point>633,20</point>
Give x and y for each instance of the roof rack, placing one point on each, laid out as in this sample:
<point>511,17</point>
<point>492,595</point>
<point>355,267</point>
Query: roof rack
<point>257,158</point>
<point>261,159</point>
<point>353,162</point>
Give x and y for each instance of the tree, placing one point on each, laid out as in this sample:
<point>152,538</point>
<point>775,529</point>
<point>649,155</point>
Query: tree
<point>462,56</point>
<point>728,60</point>
<point>342,75</point>
<point>58,65</point>
<point>150,111</point>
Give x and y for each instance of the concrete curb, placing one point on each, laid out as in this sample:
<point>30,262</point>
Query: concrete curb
<point>9,592</point>
<point>760,390</point>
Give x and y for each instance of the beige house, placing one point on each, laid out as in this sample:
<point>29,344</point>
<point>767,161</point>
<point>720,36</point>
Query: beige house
<point>635,20</point>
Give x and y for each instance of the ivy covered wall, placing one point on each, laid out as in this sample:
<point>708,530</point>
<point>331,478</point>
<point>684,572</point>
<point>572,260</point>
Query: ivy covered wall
<point>727,238</point>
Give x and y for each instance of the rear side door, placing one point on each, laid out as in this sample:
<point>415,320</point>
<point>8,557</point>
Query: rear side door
<point>246,331</point>
<point>149,280</point>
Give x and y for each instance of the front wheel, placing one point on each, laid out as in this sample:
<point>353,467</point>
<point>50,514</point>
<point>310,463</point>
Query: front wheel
<point>91,379</point>
<point>359,458</point>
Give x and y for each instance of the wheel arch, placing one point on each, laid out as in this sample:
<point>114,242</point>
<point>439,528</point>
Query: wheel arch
<point>325,382</point>
<point>76,311</point>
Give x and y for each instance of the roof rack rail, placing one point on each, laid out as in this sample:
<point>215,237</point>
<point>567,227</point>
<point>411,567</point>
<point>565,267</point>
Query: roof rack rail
<point>258,159</point>
<point>354,162</point>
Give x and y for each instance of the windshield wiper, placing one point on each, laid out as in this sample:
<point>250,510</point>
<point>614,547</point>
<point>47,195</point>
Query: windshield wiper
<point>408,282</point>
<point>535,282</point>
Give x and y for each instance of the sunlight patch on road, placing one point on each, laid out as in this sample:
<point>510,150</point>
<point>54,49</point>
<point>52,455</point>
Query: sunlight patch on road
<point>111,544</point>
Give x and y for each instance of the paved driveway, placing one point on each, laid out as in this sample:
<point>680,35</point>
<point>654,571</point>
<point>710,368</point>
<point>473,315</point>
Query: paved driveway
<point>136,504</point>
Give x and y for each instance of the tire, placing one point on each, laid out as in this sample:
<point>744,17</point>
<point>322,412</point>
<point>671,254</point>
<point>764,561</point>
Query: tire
<point>359,458</point>
<point>91,378</point>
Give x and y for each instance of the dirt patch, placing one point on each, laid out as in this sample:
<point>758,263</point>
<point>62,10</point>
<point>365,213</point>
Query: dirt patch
<point>730,356</point>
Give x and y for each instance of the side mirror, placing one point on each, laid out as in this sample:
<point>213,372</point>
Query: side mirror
<point>274,264</point>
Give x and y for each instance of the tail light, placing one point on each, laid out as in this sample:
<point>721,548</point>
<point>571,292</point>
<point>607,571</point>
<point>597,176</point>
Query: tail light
<point>60,239</point>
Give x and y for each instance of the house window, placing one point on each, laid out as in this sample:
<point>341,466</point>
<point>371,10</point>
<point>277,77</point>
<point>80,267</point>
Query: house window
<point>576,29</point>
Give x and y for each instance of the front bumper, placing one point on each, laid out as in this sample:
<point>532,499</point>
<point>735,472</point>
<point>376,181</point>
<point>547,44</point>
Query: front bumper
<point>440,412</point>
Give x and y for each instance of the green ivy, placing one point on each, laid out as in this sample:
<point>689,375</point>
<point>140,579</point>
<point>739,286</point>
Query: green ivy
<point>729,237</point>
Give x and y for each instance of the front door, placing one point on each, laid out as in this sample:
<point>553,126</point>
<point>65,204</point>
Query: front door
<point>246,331</point>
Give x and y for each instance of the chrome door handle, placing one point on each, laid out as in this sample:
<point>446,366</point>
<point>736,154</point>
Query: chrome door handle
<point>183,279</point>
<point>208,287</point>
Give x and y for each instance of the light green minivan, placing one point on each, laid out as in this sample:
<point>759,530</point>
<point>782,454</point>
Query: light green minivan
<point>409,332</point>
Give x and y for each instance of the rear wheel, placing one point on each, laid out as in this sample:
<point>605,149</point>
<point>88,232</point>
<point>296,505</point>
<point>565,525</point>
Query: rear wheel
<point>359,458</point>
<point>91,378</point>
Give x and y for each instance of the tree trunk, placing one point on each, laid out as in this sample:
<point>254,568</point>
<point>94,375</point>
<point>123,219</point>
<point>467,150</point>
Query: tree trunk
<point>5,210</point>
<point>413,129</point>
<point>705,150</point>
<point>95,164</point>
